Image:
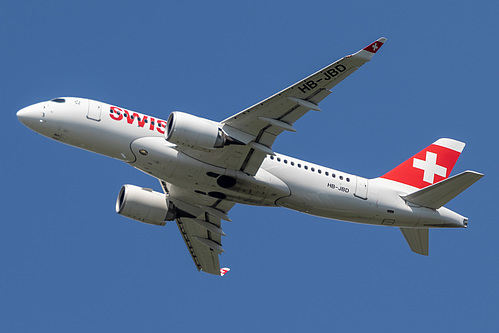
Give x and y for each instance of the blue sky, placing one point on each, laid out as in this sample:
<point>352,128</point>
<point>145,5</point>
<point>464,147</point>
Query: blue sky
<point>70,263</point>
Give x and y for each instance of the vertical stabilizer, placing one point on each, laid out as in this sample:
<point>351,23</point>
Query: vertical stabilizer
<point>429,166</point>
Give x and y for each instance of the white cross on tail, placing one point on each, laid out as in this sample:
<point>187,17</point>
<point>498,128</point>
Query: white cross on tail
<point>430,167</point>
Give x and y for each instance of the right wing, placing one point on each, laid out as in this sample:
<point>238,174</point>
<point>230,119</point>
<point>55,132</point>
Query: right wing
<point>202,231</point>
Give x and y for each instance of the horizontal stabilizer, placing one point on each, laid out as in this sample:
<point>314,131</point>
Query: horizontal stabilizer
<point>418,239</point>
<point>437,195</point>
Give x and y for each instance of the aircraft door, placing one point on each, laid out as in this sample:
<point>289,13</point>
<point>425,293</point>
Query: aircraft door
<point>94,110</point>
<point>361,188</point>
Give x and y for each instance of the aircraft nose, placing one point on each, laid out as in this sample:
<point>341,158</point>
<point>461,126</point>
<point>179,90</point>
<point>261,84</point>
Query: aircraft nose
<point>29,115</point>
<point>23,115</point>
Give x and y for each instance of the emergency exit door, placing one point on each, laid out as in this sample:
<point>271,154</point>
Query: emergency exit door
<point>361,188</point>
<point>94,110</point>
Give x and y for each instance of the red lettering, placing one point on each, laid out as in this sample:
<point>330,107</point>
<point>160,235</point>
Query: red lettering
<point>161,126</point>
<point>116,114</point>
<point>131,118</point>
<point>151,124</point>
<point>128,119</point>
<point>141,121</point>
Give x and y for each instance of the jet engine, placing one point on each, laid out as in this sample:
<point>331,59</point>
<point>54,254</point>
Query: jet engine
<point>144,205</point>
<point>190,131</point>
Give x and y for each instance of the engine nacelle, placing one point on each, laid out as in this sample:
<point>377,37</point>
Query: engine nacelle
<point>144,205</point>
<point>190,131</point>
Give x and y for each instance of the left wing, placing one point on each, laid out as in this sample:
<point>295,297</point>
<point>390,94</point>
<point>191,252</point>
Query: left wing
<point>258,126</point>
<point>255,129</point>
<point>202,229</point>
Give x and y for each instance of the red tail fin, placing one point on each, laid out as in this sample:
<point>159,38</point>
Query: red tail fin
<point>429,166</point>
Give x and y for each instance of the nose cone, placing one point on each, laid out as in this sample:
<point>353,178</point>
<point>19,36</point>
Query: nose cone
<point>29,116</point>
<point>23,115</point>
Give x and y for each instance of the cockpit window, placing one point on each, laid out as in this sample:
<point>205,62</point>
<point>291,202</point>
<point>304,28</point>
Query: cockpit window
<point>58,100</point>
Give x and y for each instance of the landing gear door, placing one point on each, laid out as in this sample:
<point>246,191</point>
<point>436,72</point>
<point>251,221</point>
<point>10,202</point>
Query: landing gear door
<point>361,188</point>
<point>94,110</point>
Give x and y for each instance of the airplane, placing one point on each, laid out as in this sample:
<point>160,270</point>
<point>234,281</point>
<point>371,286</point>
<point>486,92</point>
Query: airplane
<point>205,167</point>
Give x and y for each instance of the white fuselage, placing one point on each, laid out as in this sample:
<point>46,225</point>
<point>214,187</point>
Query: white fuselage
<point>138,139</point>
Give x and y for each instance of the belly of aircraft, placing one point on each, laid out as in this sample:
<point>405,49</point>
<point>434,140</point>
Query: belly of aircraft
<point>160,159</point>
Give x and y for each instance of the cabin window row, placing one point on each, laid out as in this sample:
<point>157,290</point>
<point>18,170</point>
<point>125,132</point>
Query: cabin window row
<point>313,169</point>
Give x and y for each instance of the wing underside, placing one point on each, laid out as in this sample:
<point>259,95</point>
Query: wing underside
<point>258,126</point>
<point>254,130</point>
<point>203,245</point>
<point>202,229</point>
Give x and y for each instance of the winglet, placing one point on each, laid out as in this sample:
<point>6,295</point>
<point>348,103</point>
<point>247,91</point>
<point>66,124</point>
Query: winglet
<point>368,52</point>
<point>224,270</point>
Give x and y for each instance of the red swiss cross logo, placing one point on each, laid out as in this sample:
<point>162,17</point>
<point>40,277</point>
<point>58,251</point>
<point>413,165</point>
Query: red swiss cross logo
<point>429,166</point>
<point>374,47</point>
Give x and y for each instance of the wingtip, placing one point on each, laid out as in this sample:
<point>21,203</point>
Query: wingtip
<point>375,46</point>
<point>369,51</point>
<point>224,270</point>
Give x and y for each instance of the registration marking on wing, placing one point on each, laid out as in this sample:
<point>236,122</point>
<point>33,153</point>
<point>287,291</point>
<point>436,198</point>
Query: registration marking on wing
<point>327,75</point>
